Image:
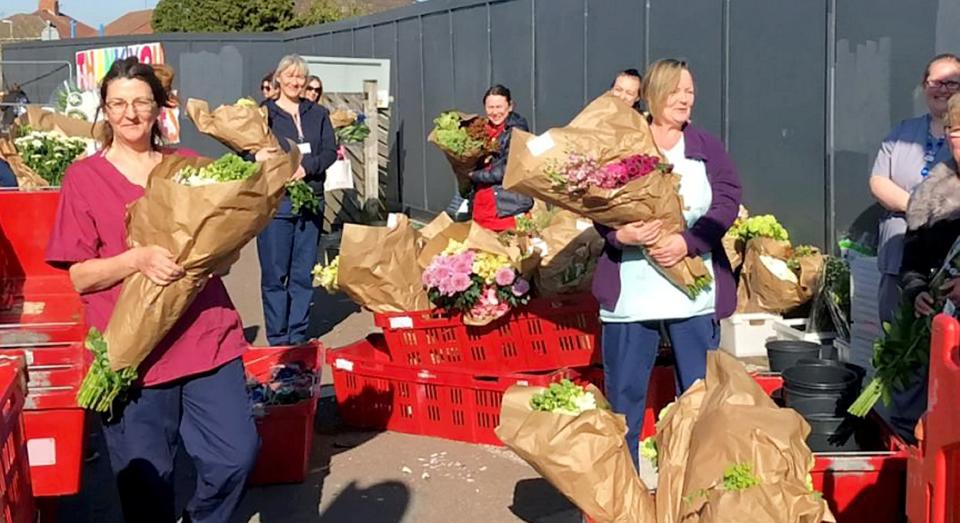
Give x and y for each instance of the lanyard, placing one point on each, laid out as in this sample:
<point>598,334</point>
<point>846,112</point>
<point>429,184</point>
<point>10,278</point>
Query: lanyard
<point>930,151</point>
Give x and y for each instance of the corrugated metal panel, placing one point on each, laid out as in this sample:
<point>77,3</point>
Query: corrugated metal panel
<point>882,48</point>
<point>342,43</point>
<point>692,31</point>
<point>511,44</point>
<point>559,61</point>
<point>777,115</point>
<point>614,41</point>
<point>471,66</point>
<point>410,113</point>
<point>363,42</point>
<point>438,80</point>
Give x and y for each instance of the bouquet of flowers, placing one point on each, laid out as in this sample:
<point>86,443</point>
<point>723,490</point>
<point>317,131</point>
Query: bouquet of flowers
<point>49,154</point>
<point>481,285</point>
<point>325,276</point>
<point>605,166</point>
<point>354,130</point>
<point>202,211</point>
<point>243,127</point>
<point>462,139</point>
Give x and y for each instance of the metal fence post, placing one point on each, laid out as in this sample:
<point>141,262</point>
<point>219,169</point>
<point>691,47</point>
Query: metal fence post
<point>371,154</point>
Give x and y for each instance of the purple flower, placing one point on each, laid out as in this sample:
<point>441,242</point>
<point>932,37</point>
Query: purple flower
<point>520,287</point>
<point>505,276</point>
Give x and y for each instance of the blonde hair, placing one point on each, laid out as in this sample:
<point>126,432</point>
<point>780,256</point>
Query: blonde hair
<point>291,60</point>
<point>659,81</point>
<point>952,118</point>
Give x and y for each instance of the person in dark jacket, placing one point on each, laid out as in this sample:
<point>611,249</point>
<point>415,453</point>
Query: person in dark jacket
<point>636,302</point>
<point>933,225</point>
<point>7,178</point>
<point>288,246</point>
<point>494,207</point>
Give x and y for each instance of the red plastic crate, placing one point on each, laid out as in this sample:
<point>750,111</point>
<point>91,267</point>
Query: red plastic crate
<point>546,334</point>
<point>933,471</point>
<point>374,393</point>
<point>286,431</point>
<point>55,440</point>
<point>16,495</point>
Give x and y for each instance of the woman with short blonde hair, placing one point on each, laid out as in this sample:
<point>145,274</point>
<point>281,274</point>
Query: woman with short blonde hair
<point>288,246</point>
<point>636,302</point>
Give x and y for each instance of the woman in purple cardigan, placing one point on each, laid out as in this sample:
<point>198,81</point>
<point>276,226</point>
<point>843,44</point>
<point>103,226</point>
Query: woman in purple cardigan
<point>637,304</point>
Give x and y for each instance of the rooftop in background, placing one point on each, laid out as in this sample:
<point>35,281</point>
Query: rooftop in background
<point>132,23</point>
<point>30,26</point>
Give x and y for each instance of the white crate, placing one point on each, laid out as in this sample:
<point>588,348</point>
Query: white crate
<point>796,329</point>
<point>744,335</point>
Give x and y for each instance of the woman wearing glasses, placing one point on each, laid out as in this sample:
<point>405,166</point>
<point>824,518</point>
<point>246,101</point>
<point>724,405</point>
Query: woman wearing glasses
<point>192,387</point>
<point>268,87</point>
<point>314,89</point>
<point>905,159</point>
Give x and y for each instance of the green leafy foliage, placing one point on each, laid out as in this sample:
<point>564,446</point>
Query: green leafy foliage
<point>353,133</point>
<point>302,197</point>
<point>763,226</point>
<point>565,397</point>
<point>739,477</point>
<point>701,284</point>
<point>452,136</point>
<point>102,385</point>
<point>227,168</point>
<point>227,16</point>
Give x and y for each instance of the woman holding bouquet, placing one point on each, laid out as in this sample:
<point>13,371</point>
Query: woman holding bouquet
<point>193,387</point>
<point>494,207</point>
<point>637,303</point>
<point>288,246</point>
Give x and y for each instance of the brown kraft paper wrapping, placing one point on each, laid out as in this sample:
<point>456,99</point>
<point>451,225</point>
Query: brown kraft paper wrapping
<point>204,227</point>
<point>737,423</point>
<point>376,269</point>
<point>464,164</point>
<point>760,290</point>
<point>436,226</point>
<point>240,128</point>
<point>610,131</point>
<point>27,178</point>
<point>573,247</point>
<point>585,457</point>
<point>40,119</point>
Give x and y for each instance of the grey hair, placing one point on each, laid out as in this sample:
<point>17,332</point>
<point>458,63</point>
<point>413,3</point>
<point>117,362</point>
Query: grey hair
<point>291,60</point>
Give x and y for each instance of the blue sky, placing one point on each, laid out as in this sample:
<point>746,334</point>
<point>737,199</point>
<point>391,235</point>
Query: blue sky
<point>90,12</point>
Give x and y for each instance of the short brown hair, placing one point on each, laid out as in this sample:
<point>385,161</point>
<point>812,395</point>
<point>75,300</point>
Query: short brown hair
<point>660,80</point>
<point>131,68</point>
<point>952,118</point>
<point>950,57</point>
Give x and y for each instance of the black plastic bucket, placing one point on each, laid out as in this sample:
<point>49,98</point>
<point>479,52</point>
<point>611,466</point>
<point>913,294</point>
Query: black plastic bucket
<point>832,434</point>
<point>820,379</point>
<point>858,370</point>
<point>816,405</point>
<point>783,354</point>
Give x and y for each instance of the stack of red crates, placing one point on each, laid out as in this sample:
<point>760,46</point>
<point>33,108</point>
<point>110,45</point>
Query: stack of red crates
<point>41,321</point>
<point>431,374</point>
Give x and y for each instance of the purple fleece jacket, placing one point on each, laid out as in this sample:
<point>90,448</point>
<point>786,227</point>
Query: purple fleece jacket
<point>704,236</point>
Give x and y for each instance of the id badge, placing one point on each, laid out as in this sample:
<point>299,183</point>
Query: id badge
<point>304,148</point>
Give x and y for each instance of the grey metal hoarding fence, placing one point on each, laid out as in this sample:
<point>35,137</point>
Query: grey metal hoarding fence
<point>802,93</point>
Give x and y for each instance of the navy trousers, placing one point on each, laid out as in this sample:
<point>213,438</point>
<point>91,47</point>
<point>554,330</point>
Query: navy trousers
<point>211,415</point>
<point>288,250</point>
<point>630,351</point>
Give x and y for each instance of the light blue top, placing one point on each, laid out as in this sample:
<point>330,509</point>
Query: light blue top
<point>646,295</point>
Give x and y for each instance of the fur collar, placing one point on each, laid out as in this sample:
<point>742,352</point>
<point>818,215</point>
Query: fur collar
<point>937,198</point>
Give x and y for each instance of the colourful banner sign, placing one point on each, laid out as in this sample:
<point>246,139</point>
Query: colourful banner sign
<point>93,64</point>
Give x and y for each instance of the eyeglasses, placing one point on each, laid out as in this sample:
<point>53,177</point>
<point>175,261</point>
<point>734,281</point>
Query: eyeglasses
<point>265,87</point>
<point>140,106</point>
<point>311,88</point>
<point>952,85</point>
